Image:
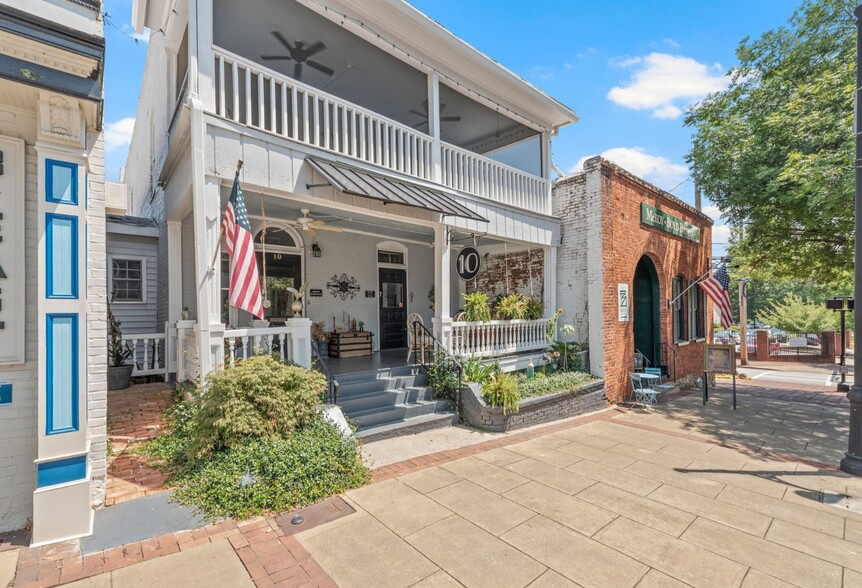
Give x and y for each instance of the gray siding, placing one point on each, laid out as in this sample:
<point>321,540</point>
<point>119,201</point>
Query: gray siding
<point>137,317</point>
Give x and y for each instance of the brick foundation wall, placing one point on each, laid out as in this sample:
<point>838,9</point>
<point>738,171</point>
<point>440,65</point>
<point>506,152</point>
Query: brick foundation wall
<point>533,411</point>
<point>623,240</point>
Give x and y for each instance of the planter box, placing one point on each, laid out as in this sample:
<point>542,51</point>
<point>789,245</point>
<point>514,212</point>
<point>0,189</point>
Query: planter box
<point>533,411</point>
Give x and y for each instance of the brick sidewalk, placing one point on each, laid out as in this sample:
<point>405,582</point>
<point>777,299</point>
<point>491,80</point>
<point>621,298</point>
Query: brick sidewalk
<point>134,416</point>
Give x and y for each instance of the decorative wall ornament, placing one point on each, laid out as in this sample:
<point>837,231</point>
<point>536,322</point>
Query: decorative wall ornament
<point>343,286</point>
<point>60,118</point>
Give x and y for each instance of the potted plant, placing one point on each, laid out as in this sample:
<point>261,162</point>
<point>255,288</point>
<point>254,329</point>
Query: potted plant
<point>476,308</point>
<point>321,337</point>
<point>119,374</point>
<point>511,307</point>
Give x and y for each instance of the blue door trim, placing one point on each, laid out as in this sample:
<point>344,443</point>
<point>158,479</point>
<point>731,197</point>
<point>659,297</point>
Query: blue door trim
<point>51,473</point>
<point>49,379</point>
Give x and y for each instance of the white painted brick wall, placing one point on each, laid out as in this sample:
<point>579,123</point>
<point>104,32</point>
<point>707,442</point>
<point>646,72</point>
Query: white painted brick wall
<point>577,202</point>
<point>97,322</point>
<point>18,422</point>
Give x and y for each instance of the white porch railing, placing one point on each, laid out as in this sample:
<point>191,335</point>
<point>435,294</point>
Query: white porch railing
<point>261,98</point>
<point>244,343</point>
<point>492,338</point>
<point>149,354</point>
<point>466,171</point>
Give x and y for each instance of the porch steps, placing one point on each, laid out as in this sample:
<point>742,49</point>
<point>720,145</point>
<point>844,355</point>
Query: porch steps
<point>389,402</point>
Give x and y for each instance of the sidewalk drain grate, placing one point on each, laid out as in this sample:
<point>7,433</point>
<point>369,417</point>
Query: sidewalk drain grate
<point>841,501</point>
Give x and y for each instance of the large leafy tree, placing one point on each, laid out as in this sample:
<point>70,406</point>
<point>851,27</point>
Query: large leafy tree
<point>775,150</point>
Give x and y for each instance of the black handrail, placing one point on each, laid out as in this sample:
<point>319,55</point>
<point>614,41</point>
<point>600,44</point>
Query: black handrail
<point>670,348</point>
<point>331,396</point>
<point>421,336</point>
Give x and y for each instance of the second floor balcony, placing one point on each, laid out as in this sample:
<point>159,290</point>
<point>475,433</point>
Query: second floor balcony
<point>256,96</point>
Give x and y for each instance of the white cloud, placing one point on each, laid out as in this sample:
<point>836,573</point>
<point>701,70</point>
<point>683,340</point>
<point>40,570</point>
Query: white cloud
<point>670,43</point>
<point>720,233</point>
<point>653,168</point>
<point>713,212</point>
<point>119,134</point>
<point>664,83</point>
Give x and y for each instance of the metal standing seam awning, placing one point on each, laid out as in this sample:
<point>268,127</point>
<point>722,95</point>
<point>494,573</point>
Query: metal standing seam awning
<point>358,182</point>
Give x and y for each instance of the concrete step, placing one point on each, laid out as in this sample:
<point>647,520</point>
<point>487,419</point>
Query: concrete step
<point>404,370</point>
<point>360,387</point>
<point>383,398</point>
<point>398,412</point>
<point>408,426</point>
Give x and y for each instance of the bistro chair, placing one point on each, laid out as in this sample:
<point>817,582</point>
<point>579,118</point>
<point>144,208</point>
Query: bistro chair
<point>656,371</point>
<point>642,395</point>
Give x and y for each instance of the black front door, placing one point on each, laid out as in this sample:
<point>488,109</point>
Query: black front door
<point>393,309</point>
<point>647,317</point>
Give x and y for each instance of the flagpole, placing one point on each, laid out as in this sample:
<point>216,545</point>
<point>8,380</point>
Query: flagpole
<point>221,230</point>
<point>690,286</point>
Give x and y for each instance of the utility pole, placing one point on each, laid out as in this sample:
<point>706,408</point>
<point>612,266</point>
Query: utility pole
<point>852,461</point>
<point>743,322</point>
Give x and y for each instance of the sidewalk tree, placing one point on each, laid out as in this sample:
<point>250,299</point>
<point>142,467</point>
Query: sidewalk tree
<point>774,150</point>
<point>794,315</point>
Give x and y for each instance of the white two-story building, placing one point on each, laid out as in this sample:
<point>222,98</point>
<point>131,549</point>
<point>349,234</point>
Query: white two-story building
<point>375,145</point>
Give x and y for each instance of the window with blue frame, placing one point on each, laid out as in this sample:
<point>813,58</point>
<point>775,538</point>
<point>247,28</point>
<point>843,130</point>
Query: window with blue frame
<point>62,374</point>
<point>61,182</point>
<point>61,256</point>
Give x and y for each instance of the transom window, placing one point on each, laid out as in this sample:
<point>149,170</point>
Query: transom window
<point>390,257</point>
<point>127,280</point>
<point>277,237</point>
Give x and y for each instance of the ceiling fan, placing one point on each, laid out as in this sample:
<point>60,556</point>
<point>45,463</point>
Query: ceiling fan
<point>311,226</point>
<point>299,54</point>
<point>424,115</point>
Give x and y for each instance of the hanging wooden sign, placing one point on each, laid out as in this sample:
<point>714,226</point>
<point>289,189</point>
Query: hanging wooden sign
<point>468,263</point>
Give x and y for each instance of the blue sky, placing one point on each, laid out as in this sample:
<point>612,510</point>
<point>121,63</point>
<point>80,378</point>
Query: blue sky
<point>629,69</point>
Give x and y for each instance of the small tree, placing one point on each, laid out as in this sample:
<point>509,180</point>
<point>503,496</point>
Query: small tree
<point>795,315</point>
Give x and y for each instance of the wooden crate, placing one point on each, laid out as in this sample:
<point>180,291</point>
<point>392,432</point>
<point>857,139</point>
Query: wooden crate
<point>350,344</point>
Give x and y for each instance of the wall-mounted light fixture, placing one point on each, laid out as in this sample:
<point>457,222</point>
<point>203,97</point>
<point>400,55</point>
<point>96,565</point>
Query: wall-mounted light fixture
<point>315,250</point>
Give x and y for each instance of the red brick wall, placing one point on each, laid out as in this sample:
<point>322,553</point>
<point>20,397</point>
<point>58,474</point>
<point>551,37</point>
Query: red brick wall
<point>624,241</point>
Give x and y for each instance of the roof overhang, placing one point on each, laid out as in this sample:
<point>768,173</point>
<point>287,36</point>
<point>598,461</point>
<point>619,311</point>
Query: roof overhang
<point>152,14</point>
<point>419,38</point>
<point>359,182</point>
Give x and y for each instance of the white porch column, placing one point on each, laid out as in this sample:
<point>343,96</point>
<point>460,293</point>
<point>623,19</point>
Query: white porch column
<point>175,271</point>
<point>434,125</point>
<point>442,272</point>
<point>206,202</point>
<point>300,336</point>
<point>550,267</point>
<point>201,59</point>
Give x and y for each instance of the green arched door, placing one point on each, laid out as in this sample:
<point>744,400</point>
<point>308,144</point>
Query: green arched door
<point>646,311</point>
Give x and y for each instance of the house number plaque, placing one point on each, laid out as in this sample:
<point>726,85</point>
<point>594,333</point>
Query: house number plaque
<point>468,263</point>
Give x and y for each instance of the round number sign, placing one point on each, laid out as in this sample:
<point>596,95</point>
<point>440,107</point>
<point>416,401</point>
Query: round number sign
<point>468,263</point>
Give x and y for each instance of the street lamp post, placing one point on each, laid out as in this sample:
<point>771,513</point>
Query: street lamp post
<point>852,461</point>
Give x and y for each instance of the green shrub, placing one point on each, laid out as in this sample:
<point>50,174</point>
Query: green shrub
<point>511,307</point>
<point>259,398</point>
<point>476,307</point>
<point>477,371</point>
<point>443,376</point>
<point>554,383</point>
<point>502,390</point>
<point>264,476</point>
<point>535,309</point>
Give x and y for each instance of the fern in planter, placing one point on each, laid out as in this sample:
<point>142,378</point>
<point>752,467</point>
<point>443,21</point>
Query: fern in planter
<point>502,390</point>
<point>478,372</point>
<point>476,307</point>
<point>535,309</point>
<point>512,307</point>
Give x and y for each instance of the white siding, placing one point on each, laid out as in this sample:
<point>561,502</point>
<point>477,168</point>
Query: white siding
<point>137,317</point>
<point>189,291</point>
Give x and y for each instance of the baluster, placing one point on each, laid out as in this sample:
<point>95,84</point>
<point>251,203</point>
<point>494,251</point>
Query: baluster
<point>345,139</point>
<point>248,119</point>
<point>273,124</point>
<point>146,363</point>
<point>221,105</point>
<point>247,342</point>
<point>378,142</point>
<point>316,122</point>
<point>326,142</point>
<point>362,137</point>
<point>353,133</point>
<point>284,122</point>
<point>234,78</point>
<point>294,114</point>
<point>261,103</point>
<point>231,345</point>
<point>306,115</point>
<point>335,128</point>
<point>384,144</point>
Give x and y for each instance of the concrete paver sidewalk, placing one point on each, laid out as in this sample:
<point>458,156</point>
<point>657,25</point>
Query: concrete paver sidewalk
<point>684,495</point>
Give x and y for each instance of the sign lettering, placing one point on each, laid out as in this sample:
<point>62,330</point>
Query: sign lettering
<point>653,217</point>
<point>468,263</point>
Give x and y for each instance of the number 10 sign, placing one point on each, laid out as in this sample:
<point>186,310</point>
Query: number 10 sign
<point>468,263</point>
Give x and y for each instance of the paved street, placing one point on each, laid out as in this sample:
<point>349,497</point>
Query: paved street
<point>686,495</point>
<point>796,374</point>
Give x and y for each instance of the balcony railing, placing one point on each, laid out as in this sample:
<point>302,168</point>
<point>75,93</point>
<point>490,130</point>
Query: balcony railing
<point>261,98</point>
<point>495,338</point>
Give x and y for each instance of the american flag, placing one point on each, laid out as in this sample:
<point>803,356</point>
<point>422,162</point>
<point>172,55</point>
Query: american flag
<point>244,281</point>
<point>716,288</point>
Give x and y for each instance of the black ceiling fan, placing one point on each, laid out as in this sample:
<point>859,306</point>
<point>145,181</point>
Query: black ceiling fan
<point>424,115</point>
<point>299,54</point>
